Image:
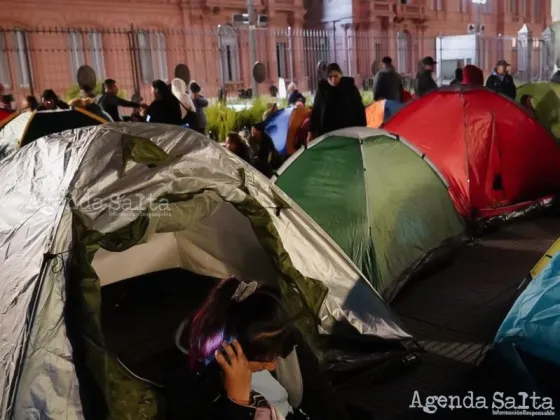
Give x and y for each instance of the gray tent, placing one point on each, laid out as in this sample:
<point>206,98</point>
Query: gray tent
<point>90,207</point>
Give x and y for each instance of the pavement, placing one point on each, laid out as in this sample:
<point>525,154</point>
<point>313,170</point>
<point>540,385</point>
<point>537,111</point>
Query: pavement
<point>454,314</point>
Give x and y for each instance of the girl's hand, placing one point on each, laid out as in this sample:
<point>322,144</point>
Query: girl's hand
<point>237,375</point>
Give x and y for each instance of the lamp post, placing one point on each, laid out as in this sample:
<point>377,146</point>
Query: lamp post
<point>479,4</point>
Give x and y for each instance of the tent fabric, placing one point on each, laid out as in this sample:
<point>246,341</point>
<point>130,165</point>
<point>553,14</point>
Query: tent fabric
<point>546,101</point>
<point>81,200</point>
<point>533,323</point>
<point>544,262</point>
<point>494,156</point>
<point>379,200</point>
<point>282,127</point>
<point>29,126</point>
<point>5,114</point>
<point>380,111</point>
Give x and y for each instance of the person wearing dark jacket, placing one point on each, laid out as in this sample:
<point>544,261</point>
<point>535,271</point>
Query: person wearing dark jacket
<point>387,83</point>
<point>51,101</point>
<point>458,79</point>
<point>472,75</point>
<point>424,80</point>
<point>293,94</point>
<point>200,103</point>
<point>110,102</point>
<point>338,104</point>
<point>165,108</point>
<point>240,358</point>
<point>555,77</point>
<point>501,82</point>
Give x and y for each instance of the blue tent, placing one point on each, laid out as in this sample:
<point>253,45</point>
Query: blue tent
<point>533,323</point>
<point>276,126</point>
<point>391,108</point>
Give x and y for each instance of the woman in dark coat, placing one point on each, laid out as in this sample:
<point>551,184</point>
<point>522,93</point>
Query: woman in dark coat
<point>240,331</point>
<point>338,104</point>
<point>165,108</point>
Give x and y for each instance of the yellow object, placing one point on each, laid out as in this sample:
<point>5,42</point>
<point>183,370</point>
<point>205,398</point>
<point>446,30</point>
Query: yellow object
<point>545,259</point>
<point>375,114</point>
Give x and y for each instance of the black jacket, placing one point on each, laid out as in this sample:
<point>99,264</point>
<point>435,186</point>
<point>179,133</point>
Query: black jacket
<point>388,84</point>
<point>505,87</point>
<point>166,111</point>
<point>424,83</point>
<point>110,104</point>
<point>60,104</point>
<point>337,107</point>
<point>556,77</point>
<point>192,395</point>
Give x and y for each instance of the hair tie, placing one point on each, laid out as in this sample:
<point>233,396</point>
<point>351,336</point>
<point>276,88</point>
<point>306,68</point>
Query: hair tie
<point>244,290</point>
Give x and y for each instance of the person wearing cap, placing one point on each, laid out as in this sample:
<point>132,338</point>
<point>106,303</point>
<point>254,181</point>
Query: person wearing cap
<point>387,83</point>
<point>424,80</point>
<point>338,104</point>
<point>501,82</point>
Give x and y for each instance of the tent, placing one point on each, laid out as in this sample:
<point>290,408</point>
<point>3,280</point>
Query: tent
<point>495,157</point>
<point>379,199</point>
<point>546,101</point>
<point>26,127</point>
<point>526,350</point>
<point>282,127</point>
<point>85,209</point>
<point>4,114</point>
<point>380,111</point>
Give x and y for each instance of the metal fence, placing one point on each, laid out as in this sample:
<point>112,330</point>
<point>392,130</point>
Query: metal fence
<point>37,59</point>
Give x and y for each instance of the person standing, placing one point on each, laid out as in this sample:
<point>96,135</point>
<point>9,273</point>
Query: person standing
<point>387,83</point>
<point>424,79</point>
<point>458,79</point>
<point>338,104</point>
<point>110,102</point>
<point>501,82</point>
<point>200,102</point>
<point>165,108</point>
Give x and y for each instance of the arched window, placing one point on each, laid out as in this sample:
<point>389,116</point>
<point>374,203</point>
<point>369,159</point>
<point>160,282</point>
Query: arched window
<point>76,48</point>
<point>404,52</point>
<point>229,54</point>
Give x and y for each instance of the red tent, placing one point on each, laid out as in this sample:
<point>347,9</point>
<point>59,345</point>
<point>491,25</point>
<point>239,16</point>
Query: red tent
<point>494,156</point>
<point>4,114</point>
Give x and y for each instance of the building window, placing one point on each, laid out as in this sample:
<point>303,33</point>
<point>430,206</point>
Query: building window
<point>523,7</point>
<point>488,7</point>
<point>403,52</point>
<point>463,6</point>
<point>96,58</point>
<point>4,62</point>
<point>21,59</point>
<point>230,57</point>
<point>77,57</point>
<point>437,4</point>
<point>153,56</point>
<point>513,7</point>
<point>536,8</point>
<point>281,59</point>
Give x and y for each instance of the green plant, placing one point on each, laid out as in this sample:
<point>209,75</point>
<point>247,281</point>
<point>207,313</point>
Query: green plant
<point>74,92</point>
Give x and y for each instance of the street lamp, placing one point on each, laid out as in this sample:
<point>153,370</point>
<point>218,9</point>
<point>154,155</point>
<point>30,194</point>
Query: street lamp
<point>479,4</point>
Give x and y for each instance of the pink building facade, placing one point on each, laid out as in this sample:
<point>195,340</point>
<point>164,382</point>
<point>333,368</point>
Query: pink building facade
<point>137,41</point>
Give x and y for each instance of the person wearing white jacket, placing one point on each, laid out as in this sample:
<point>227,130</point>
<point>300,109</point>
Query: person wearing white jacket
<point>179,89</point>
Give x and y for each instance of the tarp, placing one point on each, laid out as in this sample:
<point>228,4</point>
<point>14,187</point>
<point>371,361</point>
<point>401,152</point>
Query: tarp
<point>282,127</point>
<point>28,126</point>
<point>533,323</point>
<point>97,196</point>
<point>495,157</point>
<point>546,101</point>
<point>380,111</point>
<point>379,200</point>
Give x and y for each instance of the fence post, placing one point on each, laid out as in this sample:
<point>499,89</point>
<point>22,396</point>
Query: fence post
<point>345,26</point>
<point>28,64</point>
<point>290,53</point>
<point>135,62</point>
<point>547,53</point>
<point>524,49</point>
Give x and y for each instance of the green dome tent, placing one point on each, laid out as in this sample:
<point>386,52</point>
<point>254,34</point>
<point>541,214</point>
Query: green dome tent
<point>86,209</point>
<point>546,101</point>
<point>380,201</point>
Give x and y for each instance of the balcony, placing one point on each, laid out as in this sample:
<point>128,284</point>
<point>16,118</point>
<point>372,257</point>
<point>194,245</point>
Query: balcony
<point>286,5</point>
<point>380,8</point>
<point>238,5</point>
<point>415,12</point>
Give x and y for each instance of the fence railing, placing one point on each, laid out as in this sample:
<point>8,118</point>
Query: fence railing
<point>32,60</point>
